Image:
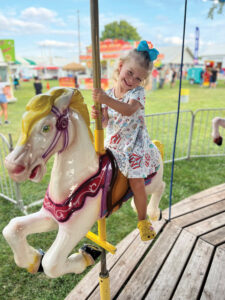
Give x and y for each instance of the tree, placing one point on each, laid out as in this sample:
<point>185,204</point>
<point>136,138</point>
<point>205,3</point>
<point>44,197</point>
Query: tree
<point>216,5</point>
<point>122,30</point>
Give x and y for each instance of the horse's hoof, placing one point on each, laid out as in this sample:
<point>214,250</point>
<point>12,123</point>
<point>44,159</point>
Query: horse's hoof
<point>160,215</point>
<point>156,217</point>
<point>90,251</point>
<point>42,253</point>
<point>218,141</point>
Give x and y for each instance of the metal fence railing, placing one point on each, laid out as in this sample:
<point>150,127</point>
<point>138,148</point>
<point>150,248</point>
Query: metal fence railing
<point>9,189</point>
<point>193,140</point>
<point>201,140</point>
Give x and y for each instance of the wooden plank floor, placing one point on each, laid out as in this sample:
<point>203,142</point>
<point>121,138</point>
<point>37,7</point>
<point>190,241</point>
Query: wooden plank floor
<point>186,261</point>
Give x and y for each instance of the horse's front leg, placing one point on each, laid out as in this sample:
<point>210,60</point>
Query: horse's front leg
<point>16,233</point>
<point>57,261</point>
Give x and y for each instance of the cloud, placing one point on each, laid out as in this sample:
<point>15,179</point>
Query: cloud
<point>41,14</point>
<point>174,40</point>
<point>55,44</point>
<point>38,14</point>
<point>19,26</point>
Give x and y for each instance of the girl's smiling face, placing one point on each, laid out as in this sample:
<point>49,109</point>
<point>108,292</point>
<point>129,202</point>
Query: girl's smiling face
<point>131,75</point>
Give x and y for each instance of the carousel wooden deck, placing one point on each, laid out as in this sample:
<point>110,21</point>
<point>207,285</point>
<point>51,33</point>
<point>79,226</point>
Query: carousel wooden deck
<point>186,261</point>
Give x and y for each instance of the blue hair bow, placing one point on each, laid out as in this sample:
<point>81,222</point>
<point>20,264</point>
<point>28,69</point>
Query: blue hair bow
<point>153,53</point>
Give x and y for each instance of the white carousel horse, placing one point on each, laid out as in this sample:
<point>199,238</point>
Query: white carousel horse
<point>58,123</point>
<point>216,123</point>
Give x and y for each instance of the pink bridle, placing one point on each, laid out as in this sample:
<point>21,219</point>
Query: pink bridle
<point>61,128</point>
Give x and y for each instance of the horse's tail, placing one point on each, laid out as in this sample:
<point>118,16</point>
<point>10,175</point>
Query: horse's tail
<point>160,146</point>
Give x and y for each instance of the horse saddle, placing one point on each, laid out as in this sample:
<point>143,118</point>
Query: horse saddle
<point>118,190</point>
<point>114,185</point>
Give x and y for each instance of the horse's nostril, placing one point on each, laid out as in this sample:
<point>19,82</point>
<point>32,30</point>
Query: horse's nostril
<point>18,169</point>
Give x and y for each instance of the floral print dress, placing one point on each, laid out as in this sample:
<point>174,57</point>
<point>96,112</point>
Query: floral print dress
<point>128,138</point>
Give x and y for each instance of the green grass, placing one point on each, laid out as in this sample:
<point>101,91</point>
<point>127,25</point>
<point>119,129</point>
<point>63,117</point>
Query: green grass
<point>190,177</point>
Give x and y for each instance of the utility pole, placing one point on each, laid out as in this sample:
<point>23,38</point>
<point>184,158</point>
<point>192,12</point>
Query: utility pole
<point>78,34</point>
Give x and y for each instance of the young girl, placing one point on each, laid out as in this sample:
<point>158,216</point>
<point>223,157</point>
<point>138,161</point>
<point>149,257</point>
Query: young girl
<point>126,134</point>
<point>3,102</point>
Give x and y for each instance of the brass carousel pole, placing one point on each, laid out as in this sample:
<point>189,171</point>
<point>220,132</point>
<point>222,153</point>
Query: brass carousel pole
<point>99,140</point>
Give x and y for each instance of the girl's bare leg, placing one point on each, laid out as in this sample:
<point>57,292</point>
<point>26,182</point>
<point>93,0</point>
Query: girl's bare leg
<point>1,111</point>
<point>4,109</point>
<point>137,185</point>
<point>140,197</point>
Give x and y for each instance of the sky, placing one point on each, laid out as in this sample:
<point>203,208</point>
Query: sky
<point>50,28</point>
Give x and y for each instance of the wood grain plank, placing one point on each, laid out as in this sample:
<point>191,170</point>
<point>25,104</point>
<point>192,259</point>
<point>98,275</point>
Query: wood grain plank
<point>126,264</point>
<point>191,281</point>
<point>215,237</point>
<point>214,287</point>
<point>196,201</point>
<point>222,246</point>
<point>200,214</point>
<point>89,283</point>
<point>207,225</point>
<point>172,269</point>
<point>143,276</point>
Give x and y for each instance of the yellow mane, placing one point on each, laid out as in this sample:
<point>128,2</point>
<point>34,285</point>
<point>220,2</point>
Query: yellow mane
<point>40,106</point>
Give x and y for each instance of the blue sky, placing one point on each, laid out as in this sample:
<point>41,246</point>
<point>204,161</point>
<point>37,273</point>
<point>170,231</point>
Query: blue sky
<point>50,27</point>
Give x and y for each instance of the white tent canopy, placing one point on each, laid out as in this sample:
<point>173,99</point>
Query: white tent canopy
<point>215,53</point>
<point>172,55</point>
<point>22,61</point>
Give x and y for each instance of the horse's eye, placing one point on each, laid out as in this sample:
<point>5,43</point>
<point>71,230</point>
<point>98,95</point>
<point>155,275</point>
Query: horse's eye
<point>46,128</point>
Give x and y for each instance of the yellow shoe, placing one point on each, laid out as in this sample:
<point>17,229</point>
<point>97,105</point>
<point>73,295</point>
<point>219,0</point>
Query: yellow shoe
<point>147,232</point>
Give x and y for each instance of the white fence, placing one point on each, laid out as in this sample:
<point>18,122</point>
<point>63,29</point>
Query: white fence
<point>193,140</point>
<point>9,189</point>
<point>194,133</point>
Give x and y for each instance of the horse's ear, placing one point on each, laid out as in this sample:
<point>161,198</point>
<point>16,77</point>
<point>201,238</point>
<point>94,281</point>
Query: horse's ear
<point>62,97</point>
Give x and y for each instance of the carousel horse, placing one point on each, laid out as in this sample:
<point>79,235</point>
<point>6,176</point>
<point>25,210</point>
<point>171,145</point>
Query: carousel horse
<point>58,123</point>
<point>216,123</point>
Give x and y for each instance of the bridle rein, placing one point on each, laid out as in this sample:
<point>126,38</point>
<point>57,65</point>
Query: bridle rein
<point>61,128</point>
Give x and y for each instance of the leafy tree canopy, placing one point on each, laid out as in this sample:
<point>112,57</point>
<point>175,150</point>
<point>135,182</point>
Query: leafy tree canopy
<point>122,31</point>
<point>216,7</point>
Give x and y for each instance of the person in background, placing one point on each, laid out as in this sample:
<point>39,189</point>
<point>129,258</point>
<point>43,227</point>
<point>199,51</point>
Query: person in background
<point>213,77</point>
<point>126,135</point>
<point>173,78</point>
<point>155,74</point>
<point>162,76</point>
<point>76,81</point>
<point>3,102</point>
<point>16,83</point>
<point>37,85</point>
<point>202,77</point>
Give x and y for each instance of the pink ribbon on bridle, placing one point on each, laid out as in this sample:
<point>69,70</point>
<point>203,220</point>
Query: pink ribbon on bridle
<point>61,128</point>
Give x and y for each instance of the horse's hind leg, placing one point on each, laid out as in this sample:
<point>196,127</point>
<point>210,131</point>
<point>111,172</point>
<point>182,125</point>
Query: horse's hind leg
<point>57,261</point>
<point>16,232</point>
<point>153,210</point>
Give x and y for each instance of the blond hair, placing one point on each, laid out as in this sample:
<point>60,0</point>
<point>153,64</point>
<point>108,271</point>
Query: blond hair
<point>140,57</point>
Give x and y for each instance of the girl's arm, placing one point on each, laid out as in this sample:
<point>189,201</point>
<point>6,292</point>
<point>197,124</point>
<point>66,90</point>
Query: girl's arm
<point>126,109</point>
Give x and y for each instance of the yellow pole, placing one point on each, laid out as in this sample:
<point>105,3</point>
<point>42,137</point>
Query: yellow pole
<point>99,140</point>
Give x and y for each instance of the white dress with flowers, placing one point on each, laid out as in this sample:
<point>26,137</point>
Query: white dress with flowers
<point>128,138</point>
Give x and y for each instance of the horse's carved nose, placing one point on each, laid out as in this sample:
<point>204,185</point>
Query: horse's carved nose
<point>13,168</point>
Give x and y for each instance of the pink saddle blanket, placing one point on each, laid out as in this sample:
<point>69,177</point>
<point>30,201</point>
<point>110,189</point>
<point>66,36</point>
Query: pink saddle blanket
<point>103,179</point>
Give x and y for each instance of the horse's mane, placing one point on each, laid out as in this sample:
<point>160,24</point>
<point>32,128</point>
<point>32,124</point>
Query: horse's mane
<point>40,106</point>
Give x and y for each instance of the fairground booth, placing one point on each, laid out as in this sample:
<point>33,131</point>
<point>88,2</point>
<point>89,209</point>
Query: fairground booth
<point>110,51</point>
<point>7,56</point>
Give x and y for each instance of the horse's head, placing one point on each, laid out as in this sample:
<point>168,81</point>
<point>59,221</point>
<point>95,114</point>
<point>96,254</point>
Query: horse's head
<point>45,131</point>
<point>216,123</point>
